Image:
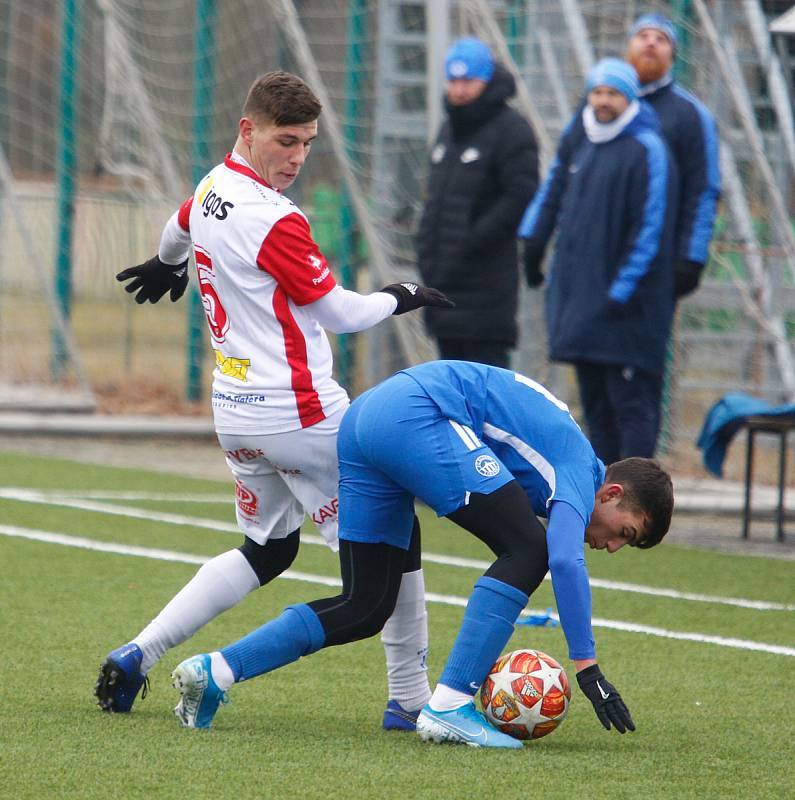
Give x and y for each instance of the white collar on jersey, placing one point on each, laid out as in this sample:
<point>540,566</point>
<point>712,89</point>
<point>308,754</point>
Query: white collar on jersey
<point>235,156</point>
<point>599,132</point>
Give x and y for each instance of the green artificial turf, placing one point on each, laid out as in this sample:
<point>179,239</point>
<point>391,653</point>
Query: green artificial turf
<point>713,721</point>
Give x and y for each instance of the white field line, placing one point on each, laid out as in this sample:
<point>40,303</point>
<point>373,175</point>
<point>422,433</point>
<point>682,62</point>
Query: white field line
<point>49,498</point>
<point>92,494</point>
<point>186,558</point>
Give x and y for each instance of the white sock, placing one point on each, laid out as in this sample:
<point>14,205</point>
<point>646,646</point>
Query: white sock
<point>405,638</point>
<point>221,672</point>
<point>220,584</point>
<point>446,699</point>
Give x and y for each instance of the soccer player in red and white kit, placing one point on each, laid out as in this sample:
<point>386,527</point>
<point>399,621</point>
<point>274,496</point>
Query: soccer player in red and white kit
<point>268,295</point>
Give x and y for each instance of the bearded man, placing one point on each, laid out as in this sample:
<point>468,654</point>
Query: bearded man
<point>690,132</point>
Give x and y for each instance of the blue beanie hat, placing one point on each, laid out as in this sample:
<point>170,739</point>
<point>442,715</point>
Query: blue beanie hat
<point>469,58</point>
<point>659,23</point>
<point>616,73</point>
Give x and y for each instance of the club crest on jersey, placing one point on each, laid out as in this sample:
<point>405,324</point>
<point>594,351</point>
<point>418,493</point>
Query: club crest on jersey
<point>487,466</point>
<point>469,155</point>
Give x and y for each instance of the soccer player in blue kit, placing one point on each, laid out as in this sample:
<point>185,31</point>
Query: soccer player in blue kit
<point>491,450</point>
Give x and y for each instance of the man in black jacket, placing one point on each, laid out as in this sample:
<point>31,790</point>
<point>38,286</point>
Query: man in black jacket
<point>483,174</point>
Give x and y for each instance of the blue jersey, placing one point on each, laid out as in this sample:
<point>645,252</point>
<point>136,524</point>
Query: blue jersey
<point>443,430</point>
<point>536,438</point>
<point>527,427</point>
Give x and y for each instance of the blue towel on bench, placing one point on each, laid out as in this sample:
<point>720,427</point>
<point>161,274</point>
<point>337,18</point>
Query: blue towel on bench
<point>725,418</point>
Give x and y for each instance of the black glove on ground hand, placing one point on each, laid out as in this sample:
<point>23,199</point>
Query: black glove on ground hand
<point>153,279</point>
<point>606,700</point>
<point>687,275</point>
<point>533,256</point>
<point>410,297</point>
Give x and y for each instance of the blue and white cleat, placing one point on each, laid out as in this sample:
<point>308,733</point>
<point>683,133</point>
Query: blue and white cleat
<point>396,718</point>
<point>120,679</point>
<point>465,725</point>
<point>201,696</point>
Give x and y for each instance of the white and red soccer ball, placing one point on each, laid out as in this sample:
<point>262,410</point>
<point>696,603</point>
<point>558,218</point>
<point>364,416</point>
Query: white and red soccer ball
<point>526,694</point>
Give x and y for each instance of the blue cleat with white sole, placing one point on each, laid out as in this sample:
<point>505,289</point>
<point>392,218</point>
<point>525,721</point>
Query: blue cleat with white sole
<point>120,679</point>
<point>465,725</point>
<point>201,696</point>
<point>396,718</point>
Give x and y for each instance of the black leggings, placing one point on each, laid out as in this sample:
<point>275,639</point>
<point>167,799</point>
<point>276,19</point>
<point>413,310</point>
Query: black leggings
<point>371,575</point>
<point>506,523</point>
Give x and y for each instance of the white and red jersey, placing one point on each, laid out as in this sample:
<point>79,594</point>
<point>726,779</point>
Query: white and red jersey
<point>257,268</point>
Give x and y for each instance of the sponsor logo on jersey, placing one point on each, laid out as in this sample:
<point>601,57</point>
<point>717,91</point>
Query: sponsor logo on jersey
<point>243,454</point>
<point>204,187</point>
<point>240,399</point>
<point>320,278</point>
<point>287,470</point>
<point>469,155</point>
<point>235,368</point>
<point>487,466</point>
<point>214,204</point>
<point>437,154</point>
<point>326,512</point>
<point>246,500</point>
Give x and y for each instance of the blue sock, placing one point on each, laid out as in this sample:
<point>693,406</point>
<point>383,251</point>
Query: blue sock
<point>488,624</point>
<point>296,632</point>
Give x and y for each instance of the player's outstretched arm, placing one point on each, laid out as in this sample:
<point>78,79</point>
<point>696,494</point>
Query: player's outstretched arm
<point>411,296</point>
<point>606,700</point>
<point>152,279</point>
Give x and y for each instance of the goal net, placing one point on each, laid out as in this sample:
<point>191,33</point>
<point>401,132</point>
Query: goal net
<point>156,96</point>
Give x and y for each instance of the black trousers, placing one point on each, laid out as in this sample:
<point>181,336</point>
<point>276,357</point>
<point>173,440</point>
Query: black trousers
<point>622,409</point>
<point>497,354</point>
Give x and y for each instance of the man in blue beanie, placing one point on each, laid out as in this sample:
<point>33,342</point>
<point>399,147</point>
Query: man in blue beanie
<point>611,194</point>
<point>483,173</point>
<point>690,132</point>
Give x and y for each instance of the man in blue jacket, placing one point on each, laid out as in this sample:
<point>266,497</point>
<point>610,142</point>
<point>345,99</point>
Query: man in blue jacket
<point>490,449</point>
<point>610,300</point>
<point>689,130</point>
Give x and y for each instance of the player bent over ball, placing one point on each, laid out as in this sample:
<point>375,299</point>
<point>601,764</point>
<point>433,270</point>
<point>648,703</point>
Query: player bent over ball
<point>489,449</point>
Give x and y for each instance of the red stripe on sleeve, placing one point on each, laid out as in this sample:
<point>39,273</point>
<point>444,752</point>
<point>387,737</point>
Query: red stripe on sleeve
<point>310,411</point>
<point>183,215</point>
<point>290,255</point>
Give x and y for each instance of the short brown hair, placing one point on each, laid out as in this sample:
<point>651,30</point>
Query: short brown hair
<point>281,98</point>
<point>648,490</point>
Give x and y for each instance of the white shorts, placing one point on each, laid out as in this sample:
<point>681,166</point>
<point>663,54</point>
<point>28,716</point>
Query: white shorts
<point>282,476</point>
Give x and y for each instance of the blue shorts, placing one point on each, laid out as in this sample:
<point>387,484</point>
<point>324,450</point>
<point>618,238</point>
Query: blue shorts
<point>395,445</point>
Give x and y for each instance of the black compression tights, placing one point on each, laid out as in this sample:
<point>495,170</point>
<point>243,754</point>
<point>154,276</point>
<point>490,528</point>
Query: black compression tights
<point>371,575</point>
<point>506,523</point>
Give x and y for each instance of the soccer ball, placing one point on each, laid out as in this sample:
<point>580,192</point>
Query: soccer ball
<point>526,694</point>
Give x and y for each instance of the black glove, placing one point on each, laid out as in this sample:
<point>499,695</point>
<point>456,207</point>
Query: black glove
<point>533,256</point>
<point>411,296</point>
<point>153,279</point>
<point>606,700</point>
<point>687,275</point>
